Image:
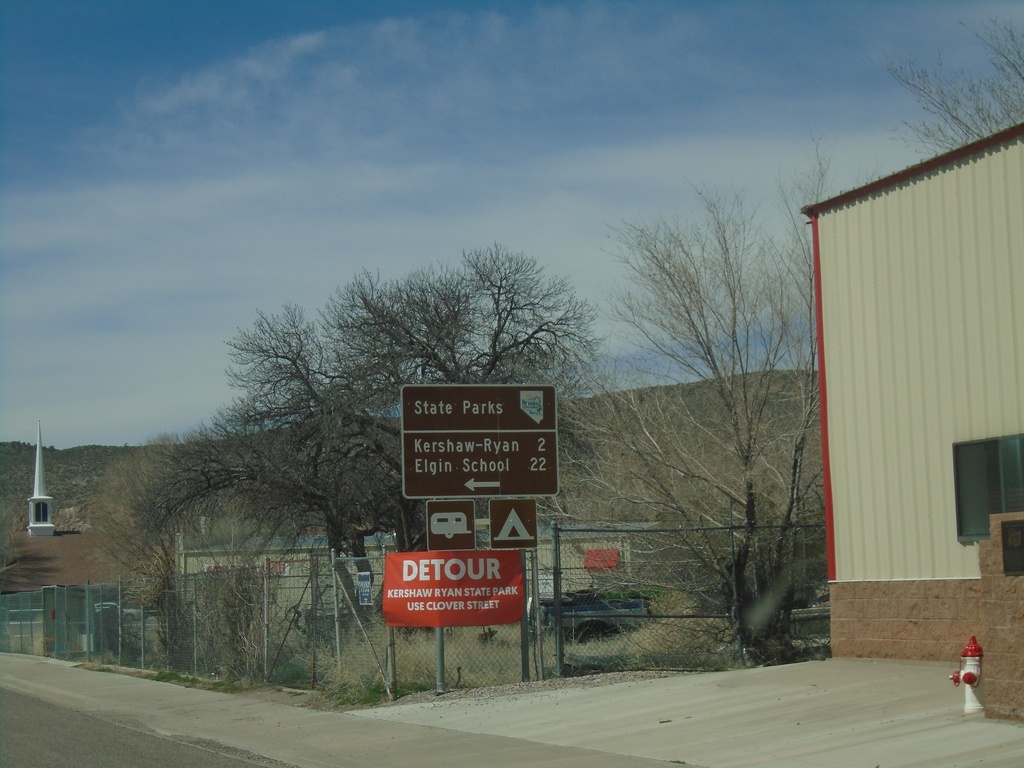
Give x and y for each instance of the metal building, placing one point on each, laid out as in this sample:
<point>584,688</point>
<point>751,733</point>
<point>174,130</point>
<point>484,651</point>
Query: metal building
<point>920,291</point>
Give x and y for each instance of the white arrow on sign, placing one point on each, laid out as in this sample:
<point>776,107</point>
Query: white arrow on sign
<point>473,484</point>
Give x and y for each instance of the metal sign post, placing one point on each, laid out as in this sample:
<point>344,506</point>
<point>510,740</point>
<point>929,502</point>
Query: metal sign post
<point>486,440</point>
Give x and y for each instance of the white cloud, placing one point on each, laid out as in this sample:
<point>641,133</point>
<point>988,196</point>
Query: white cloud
<point>275,175</point>
<point>155,278</point>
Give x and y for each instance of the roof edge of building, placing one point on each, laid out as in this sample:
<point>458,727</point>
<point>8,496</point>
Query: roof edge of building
<point>913,171</point>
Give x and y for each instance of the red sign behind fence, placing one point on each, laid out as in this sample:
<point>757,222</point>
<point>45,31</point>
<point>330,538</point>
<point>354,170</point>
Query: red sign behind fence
<point>453,588</point>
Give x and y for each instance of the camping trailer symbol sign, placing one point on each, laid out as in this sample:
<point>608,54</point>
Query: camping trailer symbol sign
<point>450,524</point>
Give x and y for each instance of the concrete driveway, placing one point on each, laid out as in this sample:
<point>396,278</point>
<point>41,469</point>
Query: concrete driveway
<point>829,714</point>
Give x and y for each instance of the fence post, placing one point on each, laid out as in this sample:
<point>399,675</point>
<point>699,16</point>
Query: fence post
<point>337,613</point>
<point>538,637</point>
<point>439,686</point>
<point>390,665</point>
<point>67,626</point>
<point>736,618</point>
<point>524,624</point>
<point>314,595</point>
<point>195,626</point>
<point>556,596</point>
<point>120,621</point>
<point>266,619</point>
<point>88,624</point>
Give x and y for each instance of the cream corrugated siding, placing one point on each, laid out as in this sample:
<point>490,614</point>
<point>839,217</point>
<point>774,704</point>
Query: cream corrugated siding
<point>923,302</point>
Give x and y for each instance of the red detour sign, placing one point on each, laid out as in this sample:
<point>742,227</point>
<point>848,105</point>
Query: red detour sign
<point>479,440</point>
<point>452,589</point>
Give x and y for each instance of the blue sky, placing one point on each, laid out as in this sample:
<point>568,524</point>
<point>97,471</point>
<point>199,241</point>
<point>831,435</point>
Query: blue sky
<point>170,167</point>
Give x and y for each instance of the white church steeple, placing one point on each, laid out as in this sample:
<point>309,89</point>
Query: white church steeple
<point>40,506</point>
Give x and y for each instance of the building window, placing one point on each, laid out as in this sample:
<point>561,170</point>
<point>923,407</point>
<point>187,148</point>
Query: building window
<point>989,477</point>
<point>42,512</point>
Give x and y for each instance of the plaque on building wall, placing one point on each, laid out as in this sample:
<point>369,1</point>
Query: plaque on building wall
<point>1013,547</point>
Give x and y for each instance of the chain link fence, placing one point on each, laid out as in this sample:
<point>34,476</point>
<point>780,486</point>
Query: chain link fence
<point>598,599</point>
<point>293,622</point>
<point>97,622</point>
<point>642,597</point>
<point>407,658</point>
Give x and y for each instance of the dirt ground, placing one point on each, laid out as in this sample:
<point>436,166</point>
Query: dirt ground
<point>322,700</point>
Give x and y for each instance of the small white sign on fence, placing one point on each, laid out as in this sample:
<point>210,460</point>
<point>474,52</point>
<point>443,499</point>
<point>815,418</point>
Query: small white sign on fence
<point>364,584</point>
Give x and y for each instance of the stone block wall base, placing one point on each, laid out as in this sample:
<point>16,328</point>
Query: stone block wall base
<point>932,620</point>
<point>906,620</point>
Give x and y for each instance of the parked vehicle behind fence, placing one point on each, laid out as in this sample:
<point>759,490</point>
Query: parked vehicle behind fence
<point>588,614</point>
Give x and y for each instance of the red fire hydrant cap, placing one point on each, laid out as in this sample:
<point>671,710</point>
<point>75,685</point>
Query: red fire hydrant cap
<point>973,650</point>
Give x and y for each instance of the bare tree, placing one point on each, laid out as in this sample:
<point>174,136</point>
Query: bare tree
<point>495,318</point>
<point>134,525</point>
<point>330,472</point>
<point>714,425</point>
<point>8,524</point>
<point>312,442</point>
<point>965,107</point>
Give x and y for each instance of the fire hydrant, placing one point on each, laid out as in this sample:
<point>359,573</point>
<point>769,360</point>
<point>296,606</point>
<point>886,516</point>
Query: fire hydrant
<point>970,675</point>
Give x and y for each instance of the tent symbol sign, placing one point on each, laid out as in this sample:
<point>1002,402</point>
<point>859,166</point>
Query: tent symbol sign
<point>513,523</point>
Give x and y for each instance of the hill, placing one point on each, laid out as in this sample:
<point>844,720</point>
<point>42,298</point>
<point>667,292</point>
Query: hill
<point>72,475</point>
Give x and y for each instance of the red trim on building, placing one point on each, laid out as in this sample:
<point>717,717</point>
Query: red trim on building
<point>826,468</point>
<point>941,161</point>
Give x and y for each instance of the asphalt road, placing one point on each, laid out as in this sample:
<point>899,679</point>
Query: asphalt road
<point>840,713</point>
<point>36,734</point>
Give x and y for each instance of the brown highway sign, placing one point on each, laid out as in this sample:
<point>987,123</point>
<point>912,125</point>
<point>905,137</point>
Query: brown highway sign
<point>513,523</point>
<point>479,440</point>
<point>451,524</point>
